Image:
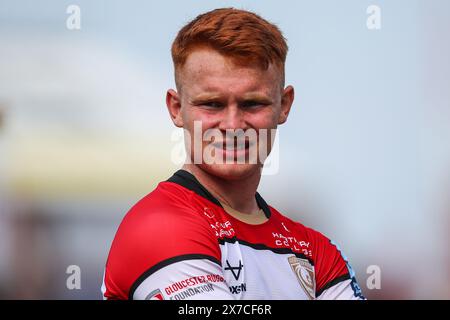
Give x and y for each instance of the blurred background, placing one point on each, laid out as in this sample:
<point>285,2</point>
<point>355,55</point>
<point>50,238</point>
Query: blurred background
<point>84,134</point>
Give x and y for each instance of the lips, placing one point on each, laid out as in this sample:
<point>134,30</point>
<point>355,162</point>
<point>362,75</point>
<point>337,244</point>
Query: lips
<point>232,145</point>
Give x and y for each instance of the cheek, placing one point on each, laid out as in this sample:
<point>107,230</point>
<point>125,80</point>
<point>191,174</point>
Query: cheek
<point>190,115</point>
<point>264,119</point>
<point>195,119</point>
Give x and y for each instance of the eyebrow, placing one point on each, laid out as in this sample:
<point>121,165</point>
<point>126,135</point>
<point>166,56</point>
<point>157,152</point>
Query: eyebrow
<point>262,98</point>
<point>204,97</point>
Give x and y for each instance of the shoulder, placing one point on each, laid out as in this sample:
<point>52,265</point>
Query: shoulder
<point>318,240</point>
<point>304,232</point>
<point>331,266</point>
<point>166,206</point>
<point>161,226</point>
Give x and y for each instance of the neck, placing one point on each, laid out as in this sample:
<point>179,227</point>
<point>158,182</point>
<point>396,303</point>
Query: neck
<point>238,194</point>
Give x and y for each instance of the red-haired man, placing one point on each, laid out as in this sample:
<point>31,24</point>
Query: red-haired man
<point>206,233</point>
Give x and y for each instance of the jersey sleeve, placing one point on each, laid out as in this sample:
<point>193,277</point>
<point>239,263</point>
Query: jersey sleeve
<point>164,253</point>
<point>335,278</point>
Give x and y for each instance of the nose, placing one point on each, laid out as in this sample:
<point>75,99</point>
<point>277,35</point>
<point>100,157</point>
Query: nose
<point>232,118</point>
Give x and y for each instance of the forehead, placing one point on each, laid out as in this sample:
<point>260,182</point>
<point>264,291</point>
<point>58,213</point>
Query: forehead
<point>208,70</point>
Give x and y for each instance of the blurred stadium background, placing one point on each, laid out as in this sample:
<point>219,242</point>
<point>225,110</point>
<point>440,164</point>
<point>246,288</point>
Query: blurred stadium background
<point>84,134</point>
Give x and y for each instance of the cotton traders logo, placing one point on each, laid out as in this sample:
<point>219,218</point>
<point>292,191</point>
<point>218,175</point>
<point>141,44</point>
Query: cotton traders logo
<point>155,295</point>
<point>305,275</point>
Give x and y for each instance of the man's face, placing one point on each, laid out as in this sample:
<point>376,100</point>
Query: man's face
<point>225,96</point>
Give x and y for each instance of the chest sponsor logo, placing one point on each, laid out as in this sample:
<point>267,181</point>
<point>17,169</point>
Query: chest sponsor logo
<point>236,271</point>
<point>304,272</point>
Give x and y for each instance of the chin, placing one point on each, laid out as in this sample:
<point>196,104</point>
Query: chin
<point>231,171</point>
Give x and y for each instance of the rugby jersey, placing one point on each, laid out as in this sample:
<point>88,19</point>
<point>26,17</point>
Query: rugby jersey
<point>179,243</point>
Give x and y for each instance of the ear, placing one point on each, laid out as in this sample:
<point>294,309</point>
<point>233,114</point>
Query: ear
<point>286,102</point>
<point>174,106</point>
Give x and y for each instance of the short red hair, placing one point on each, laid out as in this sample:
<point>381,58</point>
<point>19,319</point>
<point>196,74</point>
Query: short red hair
<point>239,34</point>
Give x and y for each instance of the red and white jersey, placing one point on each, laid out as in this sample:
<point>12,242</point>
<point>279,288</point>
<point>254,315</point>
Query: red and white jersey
<point>178,243</point>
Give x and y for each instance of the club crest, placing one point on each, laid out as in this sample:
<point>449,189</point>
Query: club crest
<point>305,275</point>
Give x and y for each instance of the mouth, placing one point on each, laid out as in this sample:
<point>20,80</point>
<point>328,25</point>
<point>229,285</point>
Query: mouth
<point>233,145</point>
